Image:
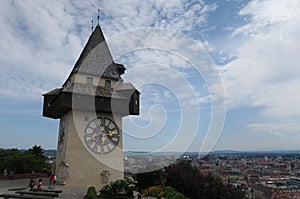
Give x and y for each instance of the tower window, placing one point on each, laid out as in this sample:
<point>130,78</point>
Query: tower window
<point>89,80</point>
<point>107,84</point>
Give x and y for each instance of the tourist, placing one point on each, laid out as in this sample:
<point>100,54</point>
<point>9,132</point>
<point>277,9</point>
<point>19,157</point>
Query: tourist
<point>5,173</point>
<point>11,174</point>
<point>32,184</point>
<point>33,174</point>
<point>51,178</point>
<point>54,181</point>
<point>139,195</point>
<point>40,184</point>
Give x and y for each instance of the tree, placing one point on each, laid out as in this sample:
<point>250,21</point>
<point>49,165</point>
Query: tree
<point>23,161</point>
<point>186,179</point>
<point>37,151</point>
<point>145,179</point>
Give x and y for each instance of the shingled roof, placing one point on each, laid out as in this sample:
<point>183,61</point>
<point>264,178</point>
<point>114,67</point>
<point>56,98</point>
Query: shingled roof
<point>96,59</point>
<point>92,90</point>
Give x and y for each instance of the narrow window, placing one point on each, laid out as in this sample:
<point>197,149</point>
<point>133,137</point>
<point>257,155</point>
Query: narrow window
<point>89,80</point>
<point>107,84</point>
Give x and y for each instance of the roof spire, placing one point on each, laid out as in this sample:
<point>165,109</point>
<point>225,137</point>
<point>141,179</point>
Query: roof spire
<point>98,17</point>
<point>92,25</point>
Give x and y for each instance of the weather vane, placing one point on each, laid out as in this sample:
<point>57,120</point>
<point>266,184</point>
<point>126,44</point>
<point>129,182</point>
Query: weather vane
<point>98,17</point>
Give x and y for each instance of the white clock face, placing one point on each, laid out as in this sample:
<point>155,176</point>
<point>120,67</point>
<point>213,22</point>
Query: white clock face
<point>101,135</point>
<point>61,136</point>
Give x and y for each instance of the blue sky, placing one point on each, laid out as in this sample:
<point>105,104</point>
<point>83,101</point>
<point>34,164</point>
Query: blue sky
<point>213,74</point>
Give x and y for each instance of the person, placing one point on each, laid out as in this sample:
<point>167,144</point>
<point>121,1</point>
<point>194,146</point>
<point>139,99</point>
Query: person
<point>32,174</point>
<point>32,183</point>
<point>51,178</point>
<point>11,174</point>
<point>40,184</point>
<point>5,172</point>
<point>139,195</point>
<point>54,181</point>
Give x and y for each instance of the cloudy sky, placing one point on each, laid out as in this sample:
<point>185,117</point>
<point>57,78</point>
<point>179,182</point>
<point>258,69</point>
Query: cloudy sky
<point>213,74</point>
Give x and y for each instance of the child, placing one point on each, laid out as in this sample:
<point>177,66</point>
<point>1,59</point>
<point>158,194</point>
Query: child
<point>40,184</point>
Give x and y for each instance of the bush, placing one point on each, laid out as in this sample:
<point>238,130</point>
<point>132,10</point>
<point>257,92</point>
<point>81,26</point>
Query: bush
<point>154,191</point>
<point>165,192</point>
<point>171,193</point>
<point>118,189</point>
<point>91,193</point>
<point>117,197</point>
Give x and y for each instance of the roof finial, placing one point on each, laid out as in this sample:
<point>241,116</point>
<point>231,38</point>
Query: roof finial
<point>92,25</point>
<point>98,17</point>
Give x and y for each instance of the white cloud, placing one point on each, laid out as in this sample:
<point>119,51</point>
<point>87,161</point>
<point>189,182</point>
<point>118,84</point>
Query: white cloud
<point>177,15</point>
<point>283,126</point>
<point>267,13</point>
<point>266,74</point>
<point>40,42</point>
<point>277,134</point>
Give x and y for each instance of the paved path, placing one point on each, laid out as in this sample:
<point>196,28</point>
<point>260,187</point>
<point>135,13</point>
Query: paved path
<point>8,184</point>
<point>23,183</point>
<point>68,192</point>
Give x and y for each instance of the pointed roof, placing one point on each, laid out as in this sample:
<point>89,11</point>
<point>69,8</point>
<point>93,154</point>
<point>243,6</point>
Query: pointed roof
<point>96,59</point>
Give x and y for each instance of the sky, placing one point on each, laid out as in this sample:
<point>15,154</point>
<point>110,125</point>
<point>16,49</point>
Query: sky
<point>213,75</point>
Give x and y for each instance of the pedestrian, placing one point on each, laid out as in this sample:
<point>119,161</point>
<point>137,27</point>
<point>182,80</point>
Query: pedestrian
<point>11,174</point>
<point>51,178</point>
<point>32,183</point>
<point>54,181</point>
<point>33,174</point>
<point>5,172</point>
<point>40,184</point>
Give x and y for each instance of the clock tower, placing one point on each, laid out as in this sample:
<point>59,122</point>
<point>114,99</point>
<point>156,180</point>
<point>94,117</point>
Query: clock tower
<point>90,106</point>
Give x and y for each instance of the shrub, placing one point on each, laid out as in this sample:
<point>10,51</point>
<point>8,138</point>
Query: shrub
<point>91,193</point>
<point>165,192</point>
<point>171,193</point>
<point>154,191</point>
<point>118,189</point>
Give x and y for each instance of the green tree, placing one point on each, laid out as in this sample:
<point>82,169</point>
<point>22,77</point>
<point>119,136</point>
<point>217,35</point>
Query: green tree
<point>37,151</point>
<point>186,179</point>
<point>23,161</point>
<point>156,176</point>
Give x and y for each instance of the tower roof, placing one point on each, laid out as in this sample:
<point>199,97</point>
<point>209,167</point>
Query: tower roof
<point>96,59</point>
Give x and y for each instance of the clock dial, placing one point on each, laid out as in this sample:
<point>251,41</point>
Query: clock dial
<point>102,135</point>
<point>61,136</point>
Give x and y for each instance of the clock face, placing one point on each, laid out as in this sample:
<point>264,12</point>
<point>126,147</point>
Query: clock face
<point>61,136</point>
<point>101,135</point>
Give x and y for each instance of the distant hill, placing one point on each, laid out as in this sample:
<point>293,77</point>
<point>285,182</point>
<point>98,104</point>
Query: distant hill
<point>49,152</point>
